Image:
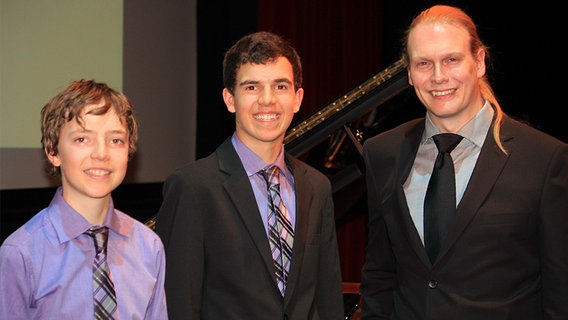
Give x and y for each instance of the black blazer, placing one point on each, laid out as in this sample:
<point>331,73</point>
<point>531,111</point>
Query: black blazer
<point>218,260</point>
<point>506,255</point>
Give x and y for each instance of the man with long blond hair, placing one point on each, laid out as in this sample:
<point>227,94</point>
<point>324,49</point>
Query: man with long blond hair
<point>498,248</point>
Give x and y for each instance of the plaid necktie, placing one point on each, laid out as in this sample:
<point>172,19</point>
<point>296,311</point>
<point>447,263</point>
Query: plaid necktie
<point>104,296</point>
<point>281,233</point>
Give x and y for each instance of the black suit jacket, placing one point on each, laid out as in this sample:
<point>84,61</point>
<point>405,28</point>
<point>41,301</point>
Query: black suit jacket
<point>506,254</point>
<point>218,259</point>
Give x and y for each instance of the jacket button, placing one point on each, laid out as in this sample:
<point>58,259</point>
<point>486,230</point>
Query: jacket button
<point>432,284</point>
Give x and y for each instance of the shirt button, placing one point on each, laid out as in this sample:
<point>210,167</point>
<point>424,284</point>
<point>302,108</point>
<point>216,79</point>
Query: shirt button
<point>432,284</point>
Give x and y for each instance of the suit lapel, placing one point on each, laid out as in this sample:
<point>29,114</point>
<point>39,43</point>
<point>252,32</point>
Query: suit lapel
<point>487,169</point>
<point>304,193</point>
<point>489,165</point>
<point>407,154</point>
<point>237,186</point>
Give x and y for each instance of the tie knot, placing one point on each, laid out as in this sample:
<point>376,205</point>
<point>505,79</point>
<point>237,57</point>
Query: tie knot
<point>446,142</point>
<point>271,175</point>
<point>100,236</point>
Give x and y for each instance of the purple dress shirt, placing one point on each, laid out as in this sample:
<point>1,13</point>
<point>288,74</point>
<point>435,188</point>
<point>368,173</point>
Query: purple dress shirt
<point>46,267</point>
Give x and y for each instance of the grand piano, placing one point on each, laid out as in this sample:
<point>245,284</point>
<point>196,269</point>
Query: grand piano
<point>331,140</point>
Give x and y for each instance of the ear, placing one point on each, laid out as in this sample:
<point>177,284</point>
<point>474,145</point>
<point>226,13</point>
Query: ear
<point>480,63</point>
<point>299,98</point>
<point>409,78</point>
<point>229,100</point>
<point>53,158</point>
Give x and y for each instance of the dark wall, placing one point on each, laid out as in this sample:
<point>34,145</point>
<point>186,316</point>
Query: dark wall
<point>217,30</point>
<point>524,42</point>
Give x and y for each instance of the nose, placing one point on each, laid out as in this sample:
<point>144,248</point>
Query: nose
<point>266,97</point>
<point>100,150</point>
<point>438,73</point>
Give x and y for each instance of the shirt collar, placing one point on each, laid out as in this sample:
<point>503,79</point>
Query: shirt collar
<point>475,130</point>
<point>69,224</point>
<point>252,162</point>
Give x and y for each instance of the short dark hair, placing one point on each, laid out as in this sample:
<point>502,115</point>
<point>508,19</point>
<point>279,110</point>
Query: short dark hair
<point>259,48</point>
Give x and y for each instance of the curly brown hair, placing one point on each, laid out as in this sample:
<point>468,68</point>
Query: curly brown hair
<point>68,105</point>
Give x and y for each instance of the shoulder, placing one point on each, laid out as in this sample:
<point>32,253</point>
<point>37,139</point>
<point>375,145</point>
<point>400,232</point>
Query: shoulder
<point>396,135</point>
<point>524,136</point>
<point>223,159</point>
<point>31,232</point>
<point>136,229</point>
<point>194,170</point>
<point>390,145</point>
<point>30,243</point>
<point>300,167</point>
<point>304,172</point>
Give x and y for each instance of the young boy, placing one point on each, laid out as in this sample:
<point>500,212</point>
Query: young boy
<point>232,253</point>
<point>89,133</point>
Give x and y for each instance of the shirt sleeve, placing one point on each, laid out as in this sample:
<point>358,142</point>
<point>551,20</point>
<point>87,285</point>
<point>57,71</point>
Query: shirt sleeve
<point>157,307</point>
<point>15,281</point>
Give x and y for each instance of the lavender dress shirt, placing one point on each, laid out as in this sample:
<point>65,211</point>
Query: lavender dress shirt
<point>46,267</point>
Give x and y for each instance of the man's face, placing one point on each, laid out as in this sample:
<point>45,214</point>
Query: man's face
<point>444,72</point>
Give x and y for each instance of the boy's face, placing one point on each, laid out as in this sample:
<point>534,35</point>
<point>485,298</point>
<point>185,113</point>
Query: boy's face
<point>93,160</point>
<point>264,102</point>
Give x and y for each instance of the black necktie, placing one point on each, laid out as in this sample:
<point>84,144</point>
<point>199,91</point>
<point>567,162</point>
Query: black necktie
<point>440,201</point>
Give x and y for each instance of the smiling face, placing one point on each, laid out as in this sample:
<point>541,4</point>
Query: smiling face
<point>264,103</point>
<point>445,74</point>
<point>93,158</point>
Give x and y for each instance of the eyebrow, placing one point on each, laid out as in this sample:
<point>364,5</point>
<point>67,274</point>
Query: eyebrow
<point>118,131</point>
<point>246,82</point>
<point>279,80</point>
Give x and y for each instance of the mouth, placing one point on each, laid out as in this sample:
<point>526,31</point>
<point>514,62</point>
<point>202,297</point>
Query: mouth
<point>443,93</point>
<point>267,116</point>
<point>97,172</point>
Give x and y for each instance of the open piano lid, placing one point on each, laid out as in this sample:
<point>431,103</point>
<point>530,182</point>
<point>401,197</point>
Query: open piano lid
<point>331,139</point>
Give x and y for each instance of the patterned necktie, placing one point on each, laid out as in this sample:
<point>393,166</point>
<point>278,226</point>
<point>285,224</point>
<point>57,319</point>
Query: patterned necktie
<point>104,296</point>
<point>281,234</point>
<point>440,200</point>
